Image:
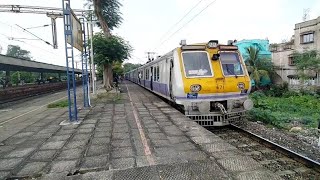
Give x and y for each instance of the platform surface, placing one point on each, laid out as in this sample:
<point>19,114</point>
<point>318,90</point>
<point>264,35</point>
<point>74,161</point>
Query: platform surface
<point>128,135</point>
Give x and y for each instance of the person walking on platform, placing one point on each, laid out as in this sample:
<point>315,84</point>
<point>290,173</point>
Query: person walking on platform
<point>115,80</point>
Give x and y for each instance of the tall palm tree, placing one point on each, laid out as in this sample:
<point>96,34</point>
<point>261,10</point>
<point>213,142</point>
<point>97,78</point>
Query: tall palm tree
<point>257,66</point>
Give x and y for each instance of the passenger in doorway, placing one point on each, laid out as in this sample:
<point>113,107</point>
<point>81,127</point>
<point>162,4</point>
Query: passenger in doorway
<point>140,76</point>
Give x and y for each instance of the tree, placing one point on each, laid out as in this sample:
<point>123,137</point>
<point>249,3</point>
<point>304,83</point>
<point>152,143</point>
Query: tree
<point>108,14</point>
<point>259,68</point>
<point>109,17</point>
<point>16,51</point>
<point>117,68</point>
<point>107,51</point>
<point>27,77</point>
<point>129,66</point>
<point>307,63</point>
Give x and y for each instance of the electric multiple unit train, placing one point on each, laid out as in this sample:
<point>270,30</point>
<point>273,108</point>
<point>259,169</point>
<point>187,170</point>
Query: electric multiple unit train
<point>208,80</point>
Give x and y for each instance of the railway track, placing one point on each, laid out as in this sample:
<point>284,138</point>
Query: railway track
<point>278,159</point>
<point>13,95</point>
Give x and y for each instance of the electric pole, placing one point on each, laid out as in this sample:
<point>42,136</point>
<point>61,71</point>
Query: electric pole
<point>51,12</point>
<point>150,55</point>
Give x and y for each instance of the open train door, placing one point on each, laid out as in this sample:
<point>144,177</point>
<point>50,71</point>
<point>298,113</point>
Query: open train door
<point>170,78</point>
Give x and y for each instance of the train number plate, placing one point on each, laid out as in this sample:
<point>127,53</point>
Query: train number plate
<point>192,95</point>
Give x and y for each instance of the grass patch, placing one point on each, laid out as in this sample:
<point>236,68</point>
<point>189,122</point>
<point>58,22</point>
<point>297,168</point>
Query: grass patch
<point>283,112</point>
<point>59,104</point>
<point>109,97</point>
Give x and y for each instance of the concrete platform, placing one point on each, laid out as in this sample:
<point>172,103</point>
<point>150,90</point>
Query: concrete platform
<point>128,135</point>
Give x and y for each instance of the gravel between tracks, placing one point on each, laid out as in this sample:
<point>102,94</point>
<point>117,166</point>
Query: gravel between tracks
<point>303,142</point>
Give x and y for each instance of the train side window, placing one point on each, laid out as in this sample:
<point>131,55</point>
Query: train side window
<point>158,74</point>
<point>146,74</point>
<point>154,73</point>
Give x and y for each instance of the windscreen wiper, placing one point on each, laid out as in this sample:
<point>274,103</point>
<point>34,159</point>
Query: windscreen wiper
<point>228,70</point>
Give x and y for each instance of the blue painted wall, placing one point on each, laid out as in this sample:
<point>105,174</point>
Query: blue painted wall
<point>262,44</point>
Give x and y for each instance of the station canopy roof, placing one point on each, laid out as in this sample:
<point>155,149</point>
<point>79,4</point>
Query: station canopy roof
<point>8,63</point>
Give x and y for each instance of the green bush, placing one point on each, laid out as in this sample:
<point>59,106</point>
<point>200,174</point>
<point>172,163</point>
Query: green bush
<point>283,111</point>
<point>278,90</point>
<point>289,94</point>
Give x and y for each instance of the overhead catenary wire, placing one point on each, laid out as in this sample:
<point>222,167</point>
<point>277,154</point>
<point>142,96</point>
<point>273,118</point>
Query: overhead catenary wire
<point>37,58</point>
<point>181,19</point>
<point>138,58</point>
<point>46,25</point>
<point>35,35</point>
<point>29,45</point>
<point>186,23</point>
<point>24,30</point>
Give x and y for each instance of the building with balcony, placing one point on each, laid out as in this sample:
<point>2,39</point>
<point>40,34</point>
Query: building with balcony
<point>306,37</point>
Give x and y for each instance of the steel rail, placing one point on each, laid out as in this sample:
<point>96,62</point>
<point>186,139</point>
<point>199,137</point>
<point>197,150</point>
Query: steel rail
<point>281,149</point>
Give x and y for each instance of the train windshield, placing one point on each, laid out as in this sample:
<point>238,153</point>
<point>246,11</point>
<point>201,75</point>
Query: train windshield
<point>231,64</point>
<point>196,64</point>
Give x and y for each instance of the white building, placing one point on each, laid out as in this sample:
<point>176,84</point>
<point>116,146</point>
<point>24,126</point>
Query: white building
<point>306,37</point>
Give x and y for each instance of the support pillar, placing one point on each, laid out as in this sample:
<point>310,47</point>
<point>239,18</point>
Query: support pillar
<point>41,77</point>
<point>7,80</point>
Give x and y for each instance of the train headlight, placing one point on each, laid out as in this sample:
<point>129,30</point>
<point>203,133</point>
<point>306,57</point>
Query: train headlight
<point>241,85</point>
<point>248,104</point>
<point>195,88</point>
<point>204,107</point>
<point>212,44</point>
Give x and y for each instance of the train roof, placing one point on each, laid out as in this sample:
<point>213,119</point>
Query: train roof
<point>186,45</point>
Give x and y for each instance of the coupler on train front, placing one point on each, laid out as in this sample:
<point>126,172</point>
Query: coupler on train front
<point>218,113</point>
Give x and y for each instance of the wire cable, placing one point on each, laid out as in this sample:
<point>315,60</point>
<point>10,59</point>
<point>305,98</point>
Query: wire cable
<point>46,25</point>
<point>186,24</point>
<point>31,45</point>
<point>180,19</point>
<point>35,35</point>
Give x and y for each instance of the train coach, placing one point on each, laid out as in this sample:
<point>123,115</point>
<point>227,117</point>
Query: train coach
<point>209,81</point>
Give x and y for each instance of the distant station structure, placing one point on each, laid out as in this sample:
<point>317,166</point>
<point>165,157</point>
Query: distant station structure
<point>75,37</point>
<point>8,63</point>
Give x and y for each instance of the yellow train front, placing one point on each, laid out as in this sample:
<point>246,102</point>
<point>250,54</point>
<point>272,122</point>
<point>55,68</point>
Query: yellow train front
<point>215,83</point>
<point>209,81</point>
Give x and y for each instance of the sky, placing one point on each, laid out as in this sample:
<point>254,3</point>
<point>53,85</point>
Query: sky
<point>150,25</point>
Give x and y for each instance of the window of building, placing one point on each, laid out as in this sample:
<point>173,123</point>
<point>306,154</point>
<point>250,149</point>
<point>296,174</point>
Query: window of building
<point>291,61</point>
<point>307,38</point>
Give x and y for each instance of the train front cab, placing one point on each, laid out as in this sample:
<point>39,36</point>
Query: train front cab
<point>216,83</point>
